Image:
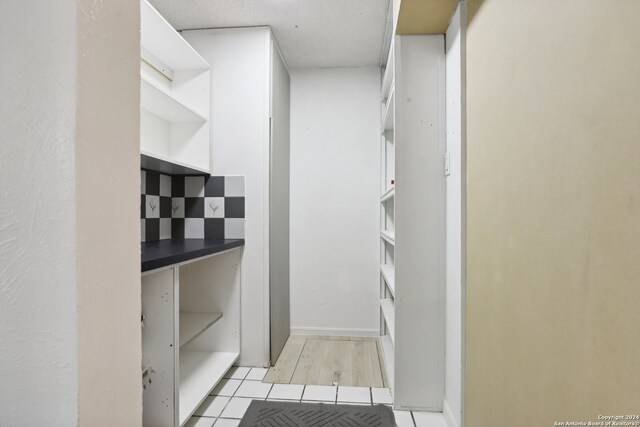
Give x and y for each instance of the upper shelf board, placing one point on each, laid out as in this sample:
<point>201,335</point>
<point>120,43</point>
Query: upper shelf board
<point>155,162</point>
<point>160,103</point>
<point>160,39</point>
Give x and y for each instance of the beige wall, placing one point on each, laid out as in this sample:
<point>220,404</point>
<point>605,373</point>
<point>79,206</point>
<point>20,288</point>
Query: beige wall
<point>107,208</point>
<point>423,16</point>
<point>553,280</point>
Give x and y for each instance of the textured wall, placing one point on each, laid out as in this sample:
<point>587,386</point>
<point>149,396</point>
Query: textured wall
<point>553,143</point>
<point>38,360</point>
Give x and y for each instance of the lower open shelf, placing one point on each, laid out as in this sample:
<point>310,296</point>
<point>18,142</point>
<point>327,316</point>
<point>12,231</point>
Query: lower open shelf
<point>200,371</point>
<point>387,353</point>
<point>388,312</point>
<point>193,324</point>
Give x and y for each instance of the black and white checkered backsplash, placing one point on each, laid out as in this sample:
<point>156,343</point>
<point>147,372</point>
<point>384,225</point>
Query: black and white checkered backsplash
<point>191,207</point>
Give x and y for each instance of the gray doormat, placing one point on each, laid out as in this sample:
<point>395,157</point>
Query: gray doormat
<point>293,414</point>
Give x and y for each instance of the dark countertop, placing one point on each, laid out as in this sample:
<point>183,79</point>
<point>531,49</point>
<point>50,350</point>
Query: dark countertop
<point>173,251</point>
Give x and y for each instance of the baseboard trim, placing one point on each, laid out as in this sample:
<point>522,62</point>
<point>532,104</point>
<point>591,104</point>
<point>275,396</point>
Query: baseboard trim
<point>448,415</point>
<point>338,332</point>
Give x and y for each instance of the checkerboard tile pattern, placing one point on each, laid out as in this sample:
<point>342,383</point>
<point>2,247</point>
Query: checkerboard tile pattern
<point>155,206</point>
<point>230,399</point>
<point>191,207</point>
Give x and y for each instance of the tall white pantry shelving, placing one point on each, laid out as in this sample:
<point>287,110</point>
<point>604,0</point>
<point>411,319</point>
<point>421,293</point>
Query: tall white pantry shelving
<point>190,310</point>
<point>412,220</point>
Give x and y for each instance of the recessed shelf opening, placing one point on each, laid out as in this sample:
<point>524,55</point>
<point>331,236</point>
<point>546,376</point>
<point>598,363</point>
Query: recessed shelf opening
<point>388,214</point>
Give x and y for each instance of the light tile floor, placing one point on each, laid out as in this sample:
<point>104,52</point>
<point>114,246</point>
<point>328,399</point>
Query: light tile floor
<point>231,397</point>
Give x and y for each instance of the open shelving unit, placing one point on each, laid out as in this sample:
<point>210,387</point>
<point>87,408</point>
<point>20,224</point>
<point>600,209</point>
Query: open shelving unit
<point>387,218</point>
<point>175,95</point>
<point>191,334</point>
<point>411,284</point>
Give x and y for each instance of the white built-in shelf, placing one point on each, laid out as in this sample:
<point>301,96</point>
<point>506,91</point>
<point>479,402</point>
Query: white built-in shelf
<point>388,194</point>
<point>389,274</point>
<point>159,102</point>
<point>193,324</point>
<point>388,312</point>
<point>388,357</point>
<point>160,39</point>
<point>200,371</point>
<point>389,236</point>
<point>387,79</point>
<point>387,116</point>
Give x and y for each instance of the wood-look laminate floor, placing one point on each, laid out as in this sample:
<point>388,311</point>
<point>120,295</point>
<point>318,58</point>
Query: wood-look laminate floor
<point>318,360</point>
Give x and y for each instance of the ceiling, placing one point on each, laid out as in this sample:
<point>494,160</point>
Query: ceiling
<point>310,33</point>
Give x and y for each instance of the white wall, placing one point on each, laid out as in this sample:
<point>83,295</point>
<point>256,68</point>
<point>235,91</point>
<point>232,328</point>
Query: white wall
<point>59,175</point>
<point>453,310</point>
<point>38,355</point>
<point>240,136</point>
<point>335,157</point>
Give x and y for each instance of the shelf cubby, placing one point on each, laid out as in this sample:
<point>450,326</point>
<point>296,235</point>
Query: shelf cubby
<point>157,101</point>
<point>388,312</point>
<point>389,236</point>
<point>193,324</point>
<point>389,276</point>
<point>199,372</point>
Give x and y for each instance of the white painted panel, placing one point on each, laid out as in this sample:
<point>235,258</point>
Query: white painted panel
<point>279,196</point>
<point>335,198</point>
<point>420,228</point>
<point>159,348</point>
<point>239,134</point>
<point>453,363</point>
